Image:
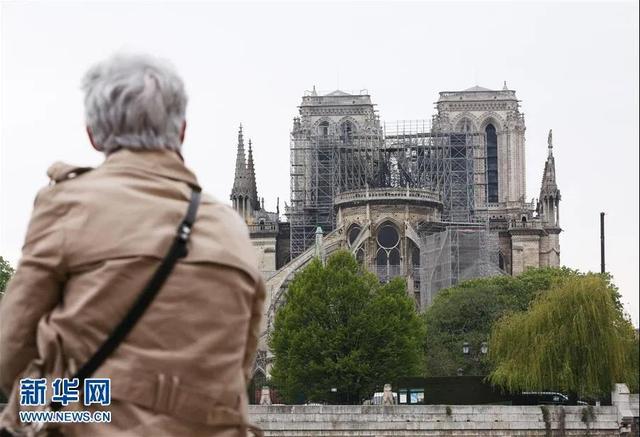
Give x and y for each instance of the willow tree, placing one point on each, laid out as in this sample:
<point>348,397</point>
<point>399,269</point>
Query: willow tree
<point>466,312</point>
<point>574,338</point>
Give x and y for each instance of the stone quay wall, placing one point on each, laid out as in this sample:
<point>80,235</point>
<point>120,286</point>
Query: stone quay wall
<point>431,420</point>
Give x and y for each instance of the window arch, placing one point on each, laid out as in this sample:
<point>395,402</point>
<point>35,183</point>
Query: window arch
<point>382,259</point>
<point>347,130</point>
<point>388,254</point>
<point>492,163</point>
<point>353,233</point>
<point>394,257</point>
<point>465,125</point>
<point>415,256</point>
<point>388,237</point>
<point>323,129</point>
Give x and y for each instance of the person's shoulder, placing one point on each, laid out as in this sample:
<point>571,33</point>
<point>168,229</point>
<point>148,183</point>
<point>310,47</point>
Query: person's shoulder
<point>225,214</point>
<point>60,172</point>
<point>223,228</point>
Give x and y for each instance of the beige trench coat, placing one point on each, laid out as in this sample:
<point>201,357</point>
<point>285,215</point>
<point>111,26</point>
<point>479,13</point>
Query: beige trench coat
<point>95,238</point>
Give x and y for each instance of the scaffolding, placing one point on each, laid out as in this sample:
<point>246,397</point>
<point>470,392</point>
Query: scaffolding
<point>324,164</point>
<point>406,153</point>
<point>456,254</point>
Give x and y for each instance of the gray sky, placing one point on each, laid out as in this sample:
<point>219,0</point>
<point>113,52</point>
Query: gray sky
<point>574,67</point>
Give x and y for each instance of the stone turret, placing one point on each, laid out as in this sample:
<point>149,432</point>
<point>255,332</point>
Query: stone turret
<point>267,236</point>
<point>241,191</point>
<point>251,179</point>
<point>549,202</point>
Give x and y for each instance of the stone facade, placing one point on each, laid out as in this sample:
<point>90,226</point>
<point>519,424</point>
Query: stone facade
<point>379,227</point>
<point>504,233</point>
<point>475,110</point>
<point>528,231</point>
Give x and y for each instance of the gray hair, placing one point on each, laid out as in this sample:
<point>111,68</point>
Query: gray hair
<point>135,102</point>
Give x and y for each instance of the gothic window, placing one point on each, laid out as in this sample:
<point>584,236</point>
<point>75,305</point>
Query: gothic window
<point>388,237</point>
<point>346,132</point>
<point>323,129</point>
<point>394,257</point>
<point>388,254</point>
<point>415,256</point>
<point>465,126</point>
<point>492,163</point>
<point>353,233</point>
<point>500,260</point>
<point>360,256</point>
<point>382,258</point>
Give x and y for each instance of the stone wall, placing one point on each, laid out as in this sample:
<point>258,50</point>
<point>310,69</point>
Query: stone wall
<point>634,402</point>
<point>427,420</point>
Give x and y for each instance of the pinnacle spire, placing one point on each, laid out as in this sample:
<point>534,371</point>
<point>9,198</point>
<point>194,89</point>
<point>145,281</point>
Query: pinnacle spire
<point>549,184</point>
<point>549,201</point>
<point>239,182</point>
<point>253,188</point>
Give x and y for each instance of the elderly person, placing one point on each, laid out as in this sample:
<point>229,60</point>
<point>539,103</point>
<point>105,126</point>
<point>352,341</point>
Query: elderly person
<point>95,238</point>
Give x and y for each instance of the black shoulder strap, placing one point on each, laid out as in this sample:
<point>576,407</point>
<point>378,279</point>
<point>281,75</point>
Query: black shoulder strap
<point>178,250</point>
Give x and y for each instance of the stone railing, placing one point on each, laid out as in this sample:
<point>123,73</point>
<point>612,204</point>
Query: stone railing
<point>517,224</point>
<point>431,420</point>
<point>509,94</point>
<point>267,227</point>
<point>415,194</point>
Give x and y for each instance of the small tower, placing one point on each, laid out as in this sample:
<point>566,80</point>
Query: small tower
<point>549,201</point>
<point>253,187</point>
<point>549,212</point>
<point>240,192</point>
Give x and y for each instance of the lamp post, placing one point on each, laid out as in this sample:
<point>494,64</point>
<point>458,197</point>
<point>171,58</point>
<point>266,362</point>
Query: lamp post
<point>465,348</point>
<point>484,348</point>
<point>334,395</point>
<point>480,352</point>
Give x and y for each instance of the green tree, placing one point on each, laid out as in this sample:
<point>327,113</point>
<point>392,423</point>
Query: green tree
<point>6,271</point>
<point>340,328</point>
<point>467,311</point>
<point>573,338</point>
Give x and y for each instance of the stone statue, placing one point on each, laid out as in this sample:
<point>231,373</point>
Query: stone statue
<point>387,395</point>
<point>265,396</point>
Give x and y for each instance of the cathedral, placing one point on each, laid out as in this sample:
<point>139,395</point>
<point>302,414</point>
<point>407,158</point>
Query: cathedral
<point>434,201</point>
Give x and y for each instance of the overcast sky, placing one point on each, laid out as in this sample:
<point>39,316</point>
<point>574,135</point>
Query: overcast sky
<point>573,65</point>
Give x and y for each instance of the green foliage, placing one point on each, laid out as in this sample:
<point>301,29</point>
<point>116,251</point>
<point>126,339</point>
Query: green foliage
<point>466,312</point>
<point>341,328</point>
<point>574,338</point>
<point>6,271</point>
